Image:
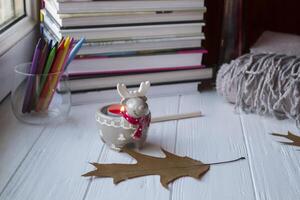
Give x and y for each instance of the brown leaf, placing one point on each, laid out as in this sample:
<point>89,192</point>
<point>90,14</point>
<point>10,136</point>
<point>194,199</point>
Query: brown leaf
<point>169,168</point>
<point>294,138</point>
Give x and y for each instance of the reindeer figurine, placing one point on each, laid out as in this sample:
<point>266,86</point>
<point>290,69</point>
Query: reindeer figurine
<point>127,122</point>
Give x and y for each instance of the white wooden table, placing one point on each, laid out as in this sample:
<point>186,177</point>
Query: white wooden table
<point>40,163</point>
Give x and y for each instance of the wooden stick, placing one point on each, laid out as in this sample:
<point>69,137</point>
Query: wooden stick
<point>176,117</point>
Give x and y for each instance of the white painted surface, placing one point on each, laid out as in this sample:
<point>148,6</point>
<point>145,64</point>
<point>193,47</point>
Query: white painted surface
<point>215,137</point>
<point>145,187</point>
<point>275,167</point>
<point>47,163</point>
<point>53,167</point>
<point>16,140</point>
<point>20,53</point>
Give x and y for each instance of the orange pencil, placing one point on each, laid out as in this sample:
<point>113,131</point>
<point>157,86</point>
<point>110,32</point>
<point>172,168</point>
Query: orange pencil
<point>68,48</point>
<point>50,82</point>
<point>53,83</point>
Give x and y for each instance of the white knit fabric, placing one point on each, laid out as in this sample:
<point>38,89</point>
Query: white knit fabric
<point>263,84</point>
<point>279,43</point>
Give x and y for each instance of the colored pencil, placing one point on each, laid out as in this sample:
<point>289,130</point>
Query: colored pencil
<point>74,51</point>
<point>47,68</point>
<point>54,76</point>
<point>50,76</point>
<point>37,78</point>
<point>68,48</point>
<point>43,58</point>
<point>30,80</point>
<point>49,63</point>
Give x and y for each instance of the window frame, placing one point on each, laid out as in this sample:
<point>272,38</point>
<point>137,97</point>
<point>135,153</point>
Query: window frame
<point>12,35</point>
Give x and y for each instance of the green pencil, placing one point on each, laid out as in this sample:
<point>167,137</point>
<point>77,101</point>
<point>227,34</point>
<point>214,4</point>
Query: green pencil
<point>47,68</point>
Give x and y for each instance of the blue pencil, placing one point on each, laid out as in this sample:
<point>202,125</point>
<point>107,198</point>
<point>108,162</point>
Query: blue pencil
<point>74,51</point>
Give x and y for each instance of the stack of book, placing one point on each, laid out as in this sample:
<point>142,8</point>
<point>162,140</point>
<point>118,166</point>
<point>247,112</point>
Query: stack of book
<point>130,41</point>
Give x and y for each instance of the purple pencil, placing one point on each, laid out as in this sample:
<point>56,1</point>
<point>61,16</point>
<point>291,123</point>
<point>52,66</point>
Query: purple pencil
<point>30,80</point>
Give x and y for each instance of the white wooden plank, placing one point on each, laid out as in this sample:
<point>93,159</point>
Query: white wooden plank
<point>215,137</point>
<point>53,168</point>
<point>16,140</point>
<point>160,134</point>
<point>275,167</point>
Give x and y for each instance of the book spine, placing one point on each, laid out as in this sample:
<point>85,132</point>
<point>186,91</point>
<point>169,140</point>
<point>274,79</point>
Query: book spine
<point>140,53</point>
<point>81,75</point>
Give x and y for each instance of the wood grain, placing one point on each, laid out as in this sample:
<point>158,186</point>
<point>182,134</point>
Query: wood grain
<point>162,134</point>
<point>215,137</point>
<point>275,167</point>
<point>47,163</point>
<point>16,140</point>
<point>53,167</point>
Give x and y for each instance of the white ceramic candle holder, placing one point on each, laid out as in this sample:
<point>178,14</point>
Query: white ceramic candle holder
<point>128,122</point>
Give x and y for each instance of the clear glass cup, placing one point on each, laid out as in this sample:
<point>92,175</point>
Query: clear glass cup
<point>40,98</point>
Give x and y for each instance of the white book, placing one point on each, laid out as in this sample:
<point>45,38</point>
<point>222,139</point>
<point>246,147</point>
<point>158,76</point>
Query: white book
<point>102,96</point>
<point>127,32</point>
<point>143,45</point>
<point>134,79</point>
<point>123,5</point>
<point>111,18</point>
<point>147,44</point>
<point>159,61</point>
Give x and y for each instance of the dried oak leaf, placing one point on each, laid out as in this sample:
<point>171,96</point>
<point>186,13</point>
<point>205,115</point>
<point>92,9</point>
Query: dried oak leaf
<point>169,168</point>
<point>294,138</point>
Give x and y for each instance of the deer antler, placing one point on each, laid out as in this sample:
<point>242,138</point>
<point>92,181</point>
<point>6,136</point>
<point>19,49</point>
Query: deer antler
<point>144,86</point>
<point>122,90</point>
<point>124,93</point>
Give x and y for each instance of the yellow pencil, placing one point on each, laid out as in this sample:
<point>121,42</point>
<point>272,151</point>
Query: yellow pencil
<point>59,62</point>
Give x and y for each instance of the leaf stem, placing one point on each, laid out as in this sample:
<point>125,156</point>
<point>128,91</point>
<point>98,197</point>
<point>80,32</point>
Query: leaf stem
<point>228,161</point>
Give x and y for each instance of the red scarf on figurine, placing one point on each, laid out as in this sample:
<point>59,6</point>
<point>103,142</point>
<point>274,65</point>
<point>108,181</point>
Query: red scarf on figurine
<point>142,122</point>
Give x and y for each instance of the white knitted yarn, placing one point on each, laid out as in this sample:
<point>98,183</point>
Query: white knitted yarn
<point>263,84</point>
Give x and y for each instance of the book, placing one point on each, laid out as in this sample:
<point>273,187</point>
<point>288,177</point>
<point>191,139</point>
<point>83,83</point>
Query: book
<point>111,95</point>
<point>123,5</point>
<point>96,83</point>
<point>135,61</point>
<point>82,75</point>
<point>146,44</point>
<point>149,44</point>
<point>126,32</point>
<point>118,18</point>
